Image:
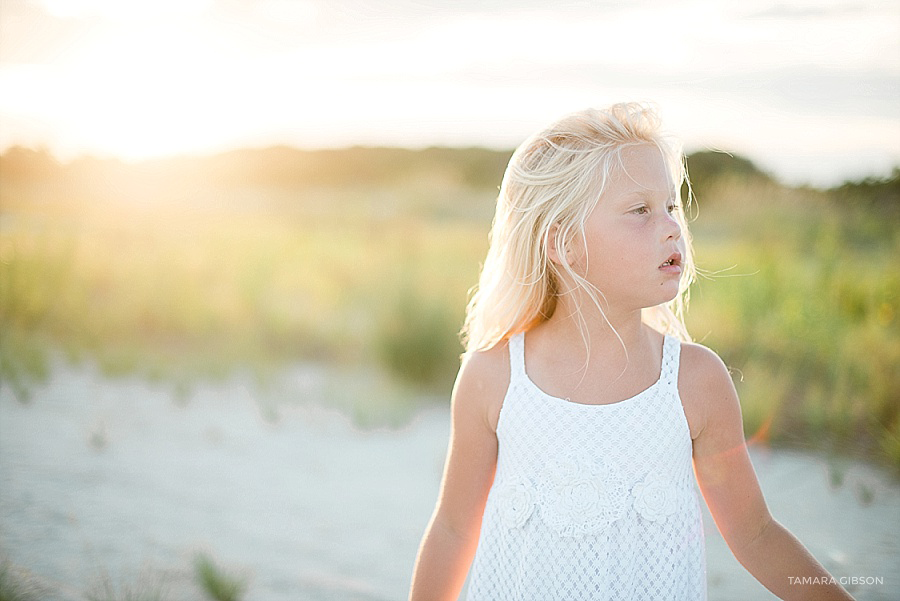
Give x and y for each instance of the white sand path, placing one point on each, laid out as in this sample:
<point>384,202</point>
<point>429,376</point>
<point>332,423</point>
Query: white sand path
<point>115,477</point>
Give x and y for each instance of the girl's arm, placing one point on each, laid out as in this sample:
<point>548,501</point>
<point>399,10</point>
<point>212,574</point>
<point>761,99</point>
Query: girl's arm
<point>729,485</point>
<point>451,537</point>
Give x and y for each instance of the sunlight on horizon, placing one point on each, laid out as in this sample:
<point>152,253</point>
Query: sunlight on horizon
<point>137,79</point>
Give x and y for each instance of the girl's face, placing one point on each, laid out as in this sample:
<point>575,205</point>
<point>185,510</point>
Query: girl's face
<point>632,247</point>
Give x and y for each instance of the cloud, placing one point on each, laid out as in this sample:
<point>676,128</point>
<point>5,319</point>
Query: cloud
<point>809,11</point>
<point>813,89</point>
<point>123,10</point>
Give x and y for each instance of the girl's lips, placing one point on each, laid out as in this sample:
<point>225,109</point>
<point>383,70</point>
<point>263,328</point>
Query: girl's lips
<point>672,264</point>
<point>674,259</point>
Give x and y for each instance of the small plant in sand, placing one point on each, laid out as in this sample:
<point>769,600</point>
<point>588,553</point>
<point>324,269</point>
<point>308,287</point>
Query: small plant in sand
<point>17,584</point>
<point>218,585</point>
<point>146,588</point>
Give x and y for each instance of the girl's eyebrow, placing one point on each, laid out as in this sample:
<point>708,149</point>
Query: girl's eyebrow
<point>644,194</point>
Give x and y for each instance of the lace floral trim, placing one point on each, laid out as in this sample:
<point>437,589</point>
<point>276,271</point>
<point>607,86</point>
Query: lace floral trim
<point>655,498</point>
<point>583,499</point>
<point>515,504</point>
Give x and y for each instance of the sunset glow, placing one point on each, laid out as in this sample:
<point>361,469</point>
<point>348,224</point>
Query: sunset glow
<point>810,93</point>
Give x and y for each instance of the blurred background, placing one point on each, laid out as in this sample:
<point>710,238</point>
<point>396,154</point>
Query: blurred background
<point>237,239</point>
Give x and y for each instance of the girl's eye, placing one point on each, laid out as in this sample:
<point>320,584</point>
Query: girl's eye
<point>641,211</point>
<point>673,208</point>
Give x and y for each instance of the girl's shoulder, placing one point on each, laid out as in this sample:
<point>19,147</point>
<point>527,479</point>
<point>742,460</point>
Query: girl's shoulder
<point>483,380</point>
<point>699,362</point>
<point>704,384</point>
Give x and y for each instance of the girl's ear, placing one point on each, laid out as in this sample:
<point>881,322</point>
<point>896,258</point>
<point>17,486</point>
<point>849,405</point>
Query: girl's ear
<point>551,246</point>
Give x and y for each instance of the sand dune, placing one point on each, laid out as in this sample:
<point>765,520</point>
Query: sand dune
<point>120,478</point>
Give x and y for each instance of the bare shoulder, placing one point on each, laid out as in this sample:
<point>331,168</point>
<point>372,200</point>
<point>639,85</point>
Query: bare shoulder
<point>705,386</point>
<point>482,383</point>
<point>700,365</point>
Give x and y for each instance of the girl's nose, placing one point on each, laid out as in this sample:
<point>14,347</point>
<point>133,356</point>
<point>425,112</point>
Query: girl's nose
<point>672,227</point>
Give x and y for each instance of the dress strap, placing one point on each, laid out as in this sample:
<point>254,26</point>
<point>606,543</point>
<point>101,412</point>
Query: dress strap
<point>517,355</point>
<point>670,361</point>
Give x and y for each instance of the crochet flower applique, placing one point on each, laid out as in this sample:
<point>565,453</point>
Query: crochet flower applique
<point>654,498</point>
<point>583,498</point>
<point>515,504</point>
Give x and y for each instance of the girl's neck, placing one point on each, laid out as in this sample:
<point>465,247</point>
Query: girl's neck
<point>603,329</point>
<point>594,349</point>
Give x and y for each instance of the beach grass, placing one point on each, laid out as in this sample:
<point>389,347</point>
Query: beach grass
<point>803,305</point>
<point>216,583</point>
<point>181,279</point>
<point>147,587</point>
<point>17,584</point>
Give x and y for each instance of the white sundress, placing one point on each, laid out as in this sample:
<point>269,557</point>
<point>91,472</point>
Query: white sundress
<point>591,502</point>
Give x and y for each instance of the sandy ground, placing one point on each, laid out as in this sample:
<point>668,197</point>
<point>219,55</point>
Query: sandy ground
<point>121,480</point>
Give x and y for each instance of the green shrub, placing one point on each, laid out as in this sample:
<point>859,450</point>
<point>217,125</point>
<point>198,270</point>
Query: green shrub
<point>417,338</point>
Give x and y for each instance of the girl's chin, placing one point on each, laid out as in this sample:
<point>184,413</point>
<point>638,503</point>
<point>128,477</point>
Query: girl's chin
<point>666,296</point>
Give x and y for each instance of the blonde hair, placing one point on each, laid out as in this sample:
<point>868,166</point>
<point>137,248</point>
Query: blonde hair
<point>553,180</point>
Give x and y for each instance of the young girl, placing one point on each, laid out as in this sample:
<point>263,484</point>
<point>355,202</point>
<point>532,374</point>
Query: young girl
<point>581,414</point>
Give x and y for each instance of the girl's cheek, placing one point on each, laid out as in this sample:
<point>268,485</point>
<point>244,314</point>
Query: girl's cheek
<point>576,253</point>
<point>577,262</point>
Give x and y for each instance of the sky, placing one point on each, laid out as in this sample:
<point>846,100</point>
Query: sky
<point>809,91</point>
